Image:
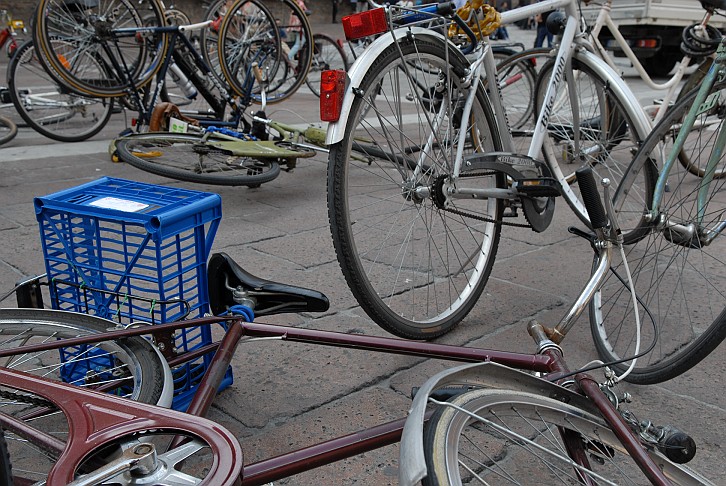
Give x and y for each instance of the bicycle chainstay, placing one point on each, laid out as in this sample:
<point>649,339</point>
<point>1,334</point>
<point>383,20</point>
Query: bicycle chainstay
<point>478,217</point>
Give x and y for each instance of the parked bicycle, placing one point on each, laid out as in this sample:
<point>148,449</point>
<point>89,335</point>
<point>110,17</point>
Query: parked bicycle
<point>47,106</point>
<point>676,251</point>
<point>416,223</point>
<point>90,438</point>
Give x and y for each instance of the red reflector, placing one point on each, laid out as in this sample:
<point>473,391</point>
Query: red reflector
<point>366,23</point>
<point>647,43</point>
<point>332,90</point>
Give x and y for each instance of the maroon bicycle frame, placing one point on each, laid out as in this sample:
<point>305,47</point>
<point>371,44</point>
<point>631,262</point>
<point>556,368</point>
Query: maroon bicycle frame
<point>230,461</point>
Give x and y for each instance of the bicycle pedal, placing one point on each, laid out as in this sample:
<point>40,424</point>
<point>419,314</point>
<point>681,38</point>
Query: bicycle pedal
<point>541,187</point>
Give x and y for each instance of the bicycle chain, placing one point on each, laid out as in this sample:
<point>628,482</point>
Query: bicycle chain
<point>38,402</point>
<point>484,218</point>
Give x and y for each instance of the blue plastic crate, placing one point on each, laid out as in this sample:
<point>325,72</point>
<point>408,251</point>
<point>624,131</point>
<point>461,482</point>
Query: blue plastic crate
<point>123,250</point>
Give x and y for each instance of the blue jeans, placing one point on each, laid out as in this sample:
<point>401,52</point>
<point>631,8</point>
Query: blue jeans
<point>543,33</point>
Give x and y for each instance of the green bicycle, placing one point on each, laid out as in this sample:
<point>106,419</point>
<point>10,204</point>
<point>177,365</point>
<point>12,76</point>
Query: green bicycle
<point>677,250</point>
<point>218,158</point>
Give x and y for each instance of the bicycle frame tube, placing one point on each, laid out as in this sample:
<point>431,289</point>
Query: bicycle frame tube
<point>697,108</point>
<point>66,396</point>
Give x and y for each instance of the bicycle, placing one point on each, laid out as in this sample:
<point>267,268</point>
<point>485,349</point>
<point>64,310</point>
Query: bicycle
<point>112,439</point>
<point>126,49</point>
<point>222,157</point>
<point>9,32</point>
<point>524,95</point>
<point>677,249</point>
<point>416,224</point>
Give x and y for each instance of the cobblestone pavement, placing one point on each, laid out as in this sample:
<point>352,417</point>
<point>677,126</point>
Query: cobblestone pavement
<point>289,395</point>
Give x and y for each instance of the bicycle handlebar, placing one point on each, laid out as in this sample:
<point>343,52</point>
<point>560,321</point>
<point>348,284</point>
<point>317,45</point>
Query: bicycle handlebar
<point>591,198</point>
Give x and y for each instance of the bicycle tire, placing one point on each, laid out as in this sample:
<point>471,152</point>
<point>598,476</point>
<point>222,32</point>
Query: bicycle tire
<point>86,365</point>
<point>607,140</point>
<point>6,468</point>
<point>327,54</point>
<point>63,31</point>
<point>178,156</point>
<point>288,73</point>
<point>680,283</point>
<point>8,130</point>
<point>518,436</point>
<point>369,172</point>
<point>55,113</point>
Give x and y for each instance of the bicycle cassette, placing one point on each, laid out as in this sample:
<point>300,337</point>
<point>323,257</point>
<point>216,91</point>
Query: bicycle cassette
<point>530,180</point>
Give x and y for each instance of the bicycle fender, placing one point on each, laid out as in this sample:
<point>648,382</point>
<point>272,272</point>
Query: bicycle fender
<point>412,465</point>
<point>361,66</point>
<point>617,85</point>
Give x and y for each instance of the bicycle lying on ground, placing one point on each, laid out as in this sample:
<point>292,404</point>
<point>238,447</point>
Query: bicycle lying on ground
<point>222,157</point>
<point>116,441</point>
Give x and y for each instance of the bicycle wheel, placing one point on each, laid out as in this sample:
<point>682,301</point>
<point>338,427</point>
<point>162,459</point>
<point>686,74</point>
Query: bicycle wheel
<point>68,34</point>
<point>327,54</point>
<point>128,368</point>
<point>284,52</point>
<point>517,437</point>
<point>49,108</point>
<point>677,264</point>
<point>415,259</point>
<point>190,158</point>
<point>517,79</point>
<point>604,139</point>
<point>8,130</point>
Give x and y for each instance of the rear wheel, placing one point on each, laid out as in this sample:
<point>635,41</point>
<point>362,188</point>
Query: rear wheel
<point>191,158</point>
<point>415,259</point>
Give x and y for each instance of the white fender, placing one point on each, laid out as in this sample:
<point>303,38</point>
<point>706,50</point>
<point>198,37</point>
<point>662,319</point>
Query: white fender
<point>360,68</point>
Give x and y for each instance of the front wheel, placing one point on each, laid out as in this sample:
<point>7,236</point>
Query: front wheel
<point>505,436</point>
<point>416,259</point>
<point>191,158</point>
<point>676,260</point>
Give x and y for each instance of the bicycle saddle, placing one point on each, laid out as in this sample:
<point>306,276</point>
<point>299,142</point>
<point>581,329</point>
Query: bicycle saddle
<point>227,280</point>
<point>717,4</point>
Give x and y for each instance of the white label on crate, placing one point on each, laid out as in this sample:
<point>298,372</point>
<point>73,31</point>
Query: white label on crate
<point>119,204</point>
<point>177,126</point>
